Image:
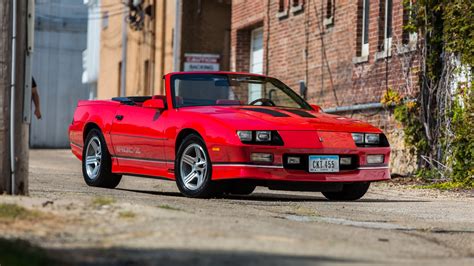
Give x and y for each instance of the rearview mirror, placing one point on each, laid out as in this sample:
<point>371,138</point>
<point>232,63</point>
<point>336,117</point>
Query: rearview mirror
<point>316,108</point>
<point>154,103</point>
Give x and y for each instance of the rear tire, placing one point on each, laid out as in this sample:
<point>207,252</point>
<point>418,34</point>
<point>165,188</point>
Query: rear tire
<point>97,163</point>
<point>349,192</point>
<point>193,169</point>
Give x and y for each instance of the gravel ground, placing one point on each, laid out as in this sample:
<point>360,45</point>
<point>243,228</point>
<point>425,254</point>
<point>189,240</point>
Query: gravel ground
<point>147,222</point>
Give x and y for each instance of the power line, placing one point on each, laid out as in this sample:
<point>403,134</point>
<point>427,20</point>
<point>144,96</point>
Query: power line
<point>80,19</point>
<point>80,5</point>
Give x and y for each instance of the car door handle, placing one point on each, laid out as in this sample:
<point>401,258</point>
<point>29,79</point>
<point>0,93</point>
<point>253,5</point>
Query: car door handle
<point>119,117</point>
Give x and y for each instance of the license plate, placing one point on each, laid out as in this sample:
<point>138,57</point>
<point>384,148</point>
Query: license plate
<point>323,163</point>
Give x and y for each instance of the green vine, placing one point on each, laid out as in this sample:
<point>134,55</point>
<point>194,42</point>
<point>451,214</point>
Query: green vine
<point>462,160</point>
<point>441,128</point>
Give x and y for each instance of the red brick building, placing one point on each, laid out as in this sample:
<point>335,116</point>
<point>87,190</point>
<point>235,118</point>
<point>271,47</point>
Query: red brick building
<point>347,53</point>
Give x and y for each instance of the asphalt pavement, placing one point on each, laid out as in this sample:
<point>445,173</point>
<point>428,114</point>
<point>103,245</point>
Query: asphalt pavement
<point>147,222</point>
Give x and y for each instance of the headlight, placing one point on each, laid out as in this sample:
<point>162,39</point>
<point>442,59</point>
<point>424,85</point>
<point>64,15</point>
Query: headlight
<point>372,138</point>
<point>263,136</point>
<point>245,135</point>
<point>358,138</point>
<point>260,137</point>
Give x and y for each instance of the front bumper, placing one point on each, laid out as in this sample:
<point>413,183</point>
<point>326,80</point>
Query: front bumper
<point>232,161</point>
<point>278,173</point>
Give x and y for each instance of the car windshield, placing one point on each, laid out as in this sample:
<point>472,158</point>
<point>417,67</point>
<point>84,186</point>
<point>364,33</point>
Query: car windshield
<point>233,89</point>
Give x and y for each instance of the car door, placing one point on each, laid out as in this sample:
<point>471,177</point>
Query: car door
<point>137,136</point>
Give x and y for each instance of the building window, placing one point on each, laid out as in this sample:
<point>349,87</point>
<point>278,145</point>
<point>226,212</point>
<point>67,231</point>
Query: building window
<point>385,27</point>
<point>297,6</point>
<point>256,62</point>
<point>283,8</point>
<point>364,28</point>
<point>410,37</point>
<point>330,10</point>
<point>282,5</point>
<point>105,20</point>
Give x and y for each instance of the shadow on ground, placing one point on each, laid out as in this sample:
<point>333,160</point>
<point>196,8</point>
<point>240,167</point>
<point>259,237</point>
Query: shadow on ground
<point>15,252</point>
<point>266,197</point>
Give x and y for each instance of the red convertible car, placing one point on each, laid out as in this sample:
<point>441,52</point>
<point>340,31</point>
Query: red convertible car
<point>224,132</point>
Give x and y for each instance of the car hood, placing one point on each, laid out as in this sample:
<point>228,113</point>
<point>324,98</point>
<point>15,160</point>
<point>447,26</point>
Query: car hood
<point>276,118</point>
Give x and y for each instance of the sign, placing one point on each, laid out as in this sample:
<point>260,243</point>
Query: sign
<point>201,62</point>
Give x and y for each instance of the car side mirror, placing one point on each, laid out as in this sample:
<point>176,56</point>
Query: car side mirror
<point>316,108</point>
<point>154,103</point>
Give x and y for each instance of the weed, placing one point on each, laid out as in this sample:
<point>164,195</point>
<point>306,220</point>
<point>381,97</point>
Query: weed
<point>103,201</point>
<point>127,215</point>
<point>168,207</point>
<point>13,211</point>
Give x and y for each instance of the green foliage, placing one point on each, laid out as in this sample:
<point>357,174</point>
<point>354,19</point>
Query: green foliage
<point>443,186</point>
<point>446,27</point>
<point>458,16</point>
<point>102,201</point>
<point>391,97</point>
<point>408,114</point>
<point>462,159</point>
<point>127,215</point>
<point>13,211</point>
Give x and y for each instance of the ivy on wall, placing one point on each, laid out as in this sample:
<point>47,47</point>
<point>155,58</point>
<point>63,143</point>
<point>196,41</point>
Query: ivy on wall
<point>439,124</point>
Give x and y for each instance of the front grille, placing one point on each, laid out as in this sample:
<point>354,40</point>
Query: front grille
<point>304,160</point>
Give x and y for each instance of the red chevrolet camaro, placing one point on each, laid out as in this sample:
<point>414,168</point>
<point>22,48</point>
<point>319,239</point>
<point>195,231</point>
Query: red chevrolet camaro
<point>223,132</point>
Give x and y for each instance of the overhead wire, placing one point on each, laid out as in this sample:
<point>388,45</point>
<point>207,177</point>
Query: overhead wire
<point>122,3</point>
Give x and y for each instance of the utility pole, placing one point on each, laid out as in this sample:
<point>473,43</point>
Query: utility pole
<point>13,132</point>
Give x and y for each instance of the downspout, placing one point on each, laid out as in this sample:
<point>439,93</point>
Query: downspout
<point>356,107</point>
<point>177,38</point>
<point>123,70</point>
<point>12,99</point>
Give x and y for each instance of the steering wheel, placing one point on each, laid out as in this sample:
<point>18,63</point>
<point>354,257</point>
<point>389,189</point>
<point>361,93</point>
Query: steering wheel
<point>264,101</point>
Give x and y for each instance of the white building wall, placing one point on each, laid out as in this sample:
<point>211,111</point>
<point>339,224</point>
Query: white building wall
<point>60,38</point>
<point>91,55</point>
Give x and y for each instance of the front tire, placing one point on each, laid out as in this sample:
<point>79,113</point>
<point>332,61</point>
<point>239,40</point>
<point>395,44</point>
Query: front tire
<point>193,169</point>
<point>349,192</point>
<point>97,163</point>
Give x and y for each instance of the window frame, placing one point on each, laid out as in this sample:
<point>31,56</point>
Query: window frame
<point>330,13</point>
<point>364,49</point>
<point>283,9</point>
<point>386,43</point>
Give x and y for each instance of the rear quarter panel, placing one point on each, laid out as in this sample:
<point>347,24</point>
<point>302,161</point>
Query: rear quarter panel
<point>100,113</point>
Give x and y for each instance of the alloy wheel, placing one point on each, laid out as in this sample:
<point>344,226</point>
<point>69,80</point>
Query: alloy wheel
<point>193,166</point>
<point>93,157</point>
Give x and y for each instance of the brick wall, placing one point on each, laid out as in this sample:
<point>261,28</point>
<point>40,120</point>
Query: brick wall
<point>303,45</point>
<point>206,29</point>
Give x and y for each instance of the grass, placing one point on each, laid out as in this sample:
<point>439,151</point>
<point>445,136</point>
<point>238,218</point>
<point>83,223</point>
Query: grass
<point>303,211</point>
<point>13,211</point>
<point>443,186</point>
<point>16,252</point>
<point>127,215</point>
<point>168,207</point>
<point>103,201</point>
